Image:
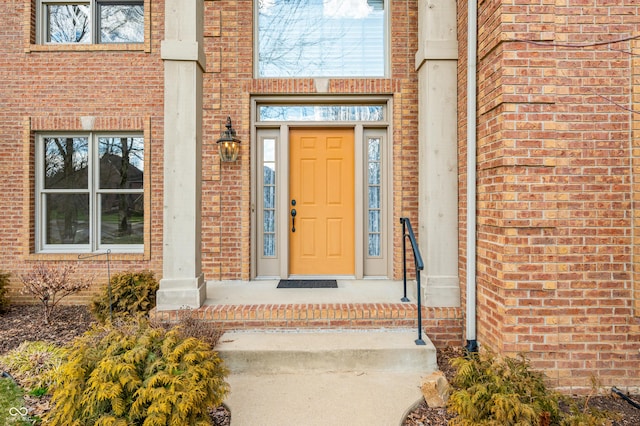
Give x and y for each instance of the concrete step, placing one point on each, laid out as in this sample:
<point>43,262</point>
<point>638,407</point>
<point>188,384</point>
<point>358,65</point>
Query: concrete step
<point>262,352</point>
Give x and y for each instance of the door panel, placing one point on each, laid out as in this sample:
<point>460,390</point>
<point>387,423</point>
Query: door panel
<point>321,181</point>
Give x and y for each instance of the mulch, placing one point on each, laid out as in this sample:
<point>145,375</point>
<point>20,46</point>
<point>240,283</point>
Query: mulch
<point>25,323</point>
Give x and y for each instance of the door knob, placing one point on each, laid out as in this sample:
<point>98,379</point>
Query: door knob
<point>293,220</point>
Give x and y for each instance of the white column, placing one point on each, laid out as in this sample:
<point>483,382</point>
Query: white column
<point>436,62</point>
<point>182,283</point>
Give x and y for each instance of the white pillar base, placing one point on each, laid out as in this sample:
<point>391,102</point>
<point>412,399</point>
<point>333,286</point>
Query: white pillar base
<point>441,291</point>
<point>181,293</point>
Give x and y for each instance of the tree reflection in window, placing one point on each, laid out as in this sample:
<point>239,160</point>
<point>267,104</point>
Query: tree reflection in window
<point>91,191</point>
<point>121,169</point>
<point>66,172</point>
<point>93,21</point>
<point>321,38</point>
<point>68,23</point>
<point>269,197</point>
<point>121,23</point>
<point>374,189</point>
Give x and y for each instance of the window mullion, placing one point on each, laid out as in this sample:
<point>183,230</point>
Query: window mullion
<point>94,205</point>
<point>95,20</point>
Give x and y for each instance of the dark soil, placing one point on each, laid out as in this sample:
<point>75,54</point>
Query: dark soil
<point>25,323</point>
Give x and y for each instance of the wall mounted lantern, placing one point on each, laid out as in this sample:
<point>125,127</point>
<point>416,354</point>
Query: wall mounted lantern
<point>228,144</point>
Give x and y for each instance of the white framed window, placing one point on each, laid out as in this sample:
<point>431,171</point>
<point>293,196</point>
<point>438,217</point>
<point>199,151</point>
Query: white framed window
<point>268,184</point>
<point>321,38</point>
<point>377,202</point>
<point>90,21</point>
<point>89,192</point>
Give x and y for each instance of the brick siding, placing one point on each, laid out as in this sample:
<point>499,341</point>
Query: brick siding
<point>557,163</point>
<point>51,88</point>
<point>556,182</point>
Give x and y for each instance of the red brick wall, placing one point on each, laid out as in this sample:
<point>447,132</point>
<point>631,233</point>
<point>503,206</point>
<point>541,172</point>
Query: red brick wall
<point>49,88</point>
<point>635,106</point>
<point>229,85</point>
<point>556,185</point>
<point>53,86</point>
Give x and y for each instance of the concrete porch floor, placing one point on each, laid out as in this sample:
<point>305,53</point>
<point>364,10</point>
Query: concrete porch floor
<point>266,292</point>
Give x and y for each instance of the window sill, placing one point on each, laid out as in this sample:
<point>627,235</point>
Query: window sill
<point>106,47</point>
<point>60,256</point>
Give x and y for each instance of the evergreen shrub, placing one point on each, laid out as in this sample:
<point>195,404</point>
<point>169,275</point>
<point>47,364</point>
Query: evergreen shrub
<point>137,374</point>
<point>490,390</point>
<point>130,294</point>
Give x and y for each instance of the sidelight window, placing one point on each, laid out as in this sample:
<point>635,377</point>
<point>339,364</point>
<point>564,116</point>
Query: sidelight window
<point>269,197</point>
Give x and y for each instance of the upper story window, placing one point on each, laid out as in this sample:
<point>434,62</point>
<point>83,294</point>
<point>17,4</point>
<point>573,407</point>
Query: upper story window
<point>90,192</point>
<point>91,21</point>
<point>322,38</point>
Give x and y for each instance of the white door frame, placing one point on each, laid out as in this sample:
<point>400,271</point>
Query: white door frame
<point>277,266</point>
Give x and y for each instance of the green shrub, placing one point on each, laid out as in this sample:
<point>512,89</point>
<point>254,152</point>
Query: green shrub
<point>4,284</point>
<point>131,293</point>
<point>137,374</point>
<point>34,364</point>
<point>492,390</point>
<point>500,391</point>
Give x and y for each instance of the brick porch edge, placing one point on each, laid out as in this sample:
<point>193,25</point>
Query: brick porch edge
<point>443,326</point>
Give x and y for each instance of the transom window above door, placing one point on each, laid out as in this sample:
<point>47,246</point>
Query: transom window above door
<point>328,113</point>
<point>321,38</point>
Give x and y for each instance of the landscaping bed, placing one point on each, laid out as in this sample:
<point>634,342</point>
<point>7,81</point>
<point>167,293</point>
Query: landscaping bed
<point>24,323</point>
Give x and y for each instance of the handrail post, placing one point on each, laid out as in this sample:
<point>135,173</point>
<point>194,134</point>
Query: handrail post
<point>419,340</point>
<point>404,259</point>
<point>417,259</point>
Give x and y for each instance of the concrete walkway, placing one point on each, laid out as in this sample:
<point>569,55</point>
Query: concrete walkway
<point>365,398</point>
<point>324,378</point>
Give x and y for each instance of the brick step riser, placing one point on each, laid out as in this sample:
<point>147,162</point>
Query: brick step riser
<point>443,325</point>
<point>305,316</point>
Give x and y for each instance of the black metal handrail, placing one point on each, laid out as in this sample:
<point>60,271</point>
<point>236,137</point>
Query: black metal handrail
<point>407,231</point>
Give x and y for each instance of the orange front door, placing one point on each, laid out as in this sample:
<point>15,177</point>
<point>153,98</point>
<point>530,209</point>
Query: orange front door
<point>321,185</point>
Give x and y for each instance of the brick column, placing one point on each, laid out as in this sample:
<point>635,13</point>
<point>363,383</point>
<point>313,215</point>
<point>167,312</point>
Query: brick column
<point>182,283</point>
